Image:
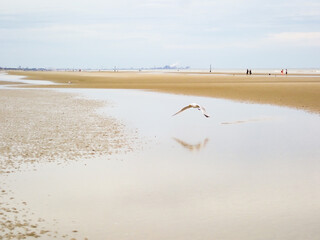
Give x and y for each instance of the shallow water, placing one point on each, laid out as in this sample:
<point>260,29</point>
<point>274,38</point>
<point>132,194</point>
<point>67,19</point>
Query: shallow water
<point>248,172</point>
<point>21,79</point>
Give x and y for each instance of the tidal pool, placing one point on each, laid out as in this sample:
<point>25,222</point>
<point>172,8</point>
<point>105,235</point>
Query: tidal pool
<point>17,80</point>
<point>248,172</point>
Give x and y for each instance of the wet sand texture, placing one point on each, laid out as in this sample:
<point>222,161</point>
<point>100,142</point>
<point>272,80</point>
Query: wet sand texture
<point>299,92</point>
<point>47,126</point>
<point>42,126</point>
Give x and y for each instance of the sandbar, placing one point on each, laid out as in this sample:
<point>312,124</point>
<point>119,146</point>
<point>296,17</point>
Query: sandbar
<point>299,91</point>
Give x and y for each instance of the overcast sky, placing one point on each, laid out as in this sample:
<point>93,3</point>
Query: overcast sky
<point>147,33</point>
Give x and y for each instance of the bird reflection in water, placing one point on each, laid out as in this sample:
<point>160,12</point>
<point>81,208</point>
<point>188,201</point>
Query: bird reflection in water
<point>193,147</point>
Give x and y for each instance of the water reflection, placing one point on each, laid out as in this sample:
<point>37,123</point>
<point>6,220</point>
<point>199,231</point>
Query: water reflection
<point>263,181</point>
<point>16,81</point>
<point>247,121</point>
<point>192,147</point>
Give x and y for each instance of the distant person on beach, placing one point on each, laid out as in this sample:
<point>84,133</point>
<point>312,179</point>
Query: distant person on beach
<point>247,71</point>
<point>282,72</point>
<point>250,72</point>
<point>286,71</point>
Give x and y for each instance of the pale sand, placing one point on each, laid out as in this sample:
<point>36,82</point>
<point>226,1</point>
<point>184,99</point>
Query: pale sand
<point>302,92</point>
<point>42,126</point>
<point>48,126</point>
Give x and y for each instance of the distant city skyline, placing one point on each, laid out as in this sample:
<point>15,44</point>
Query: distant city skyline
<point>146,33</point>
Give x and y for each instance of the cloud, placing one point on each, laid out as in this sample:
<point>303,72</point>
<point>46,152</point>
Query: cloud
<point>111,33</point>
<point>273,40</point>
<point>296,38</point>
<point>159,27</point>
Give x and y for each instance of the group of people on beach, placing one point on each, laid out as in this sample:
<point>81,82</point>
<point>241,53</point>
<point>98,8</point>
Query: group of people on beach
<point>249,72</point>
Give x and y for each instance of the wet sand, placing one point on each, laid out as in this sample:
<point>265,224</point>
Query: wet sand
<point>195,178</point>
<point>299,91</point>
<point>216,180</point>
<point>183,190</point>
<point>38,127</point>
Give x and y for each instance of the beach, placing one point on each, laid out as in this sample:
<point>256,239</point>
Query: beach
<point>299,91</point>
<point>43,127</point>
<point>78,161</point>
<point>159,120</point>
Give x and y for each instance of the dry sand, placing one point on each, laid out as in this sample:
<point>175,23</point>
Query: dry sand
<point>301,91</point>
<point>48,126</point>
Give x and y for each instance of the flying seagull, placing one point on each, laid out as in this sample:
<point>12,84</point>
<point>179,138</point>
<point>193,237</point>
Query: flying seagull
<point>193,105</point>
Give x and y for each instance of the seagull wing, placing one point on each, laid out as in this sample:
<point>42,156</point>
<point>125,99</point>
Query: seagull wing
<point>203,110</point>
<point>185,108</point>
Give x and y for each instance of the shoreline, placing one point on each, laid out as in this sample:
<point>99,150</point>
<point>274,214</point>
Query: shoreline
<point>72,199</point>
<point>46,126</point>
<point>300,92</point>
<point>49,127</point>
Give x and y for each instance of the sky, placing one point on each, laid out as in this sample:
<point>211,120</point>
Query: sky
<point>147,33</point>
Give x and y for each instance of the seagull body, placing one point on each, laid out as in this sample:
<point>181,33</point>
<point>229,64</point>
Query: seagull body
<point>194,105</point>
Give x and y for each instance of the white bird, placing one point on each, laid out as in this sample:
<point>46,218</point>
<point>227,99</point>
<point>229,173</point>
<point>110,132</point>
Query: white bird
<point>194,105</point>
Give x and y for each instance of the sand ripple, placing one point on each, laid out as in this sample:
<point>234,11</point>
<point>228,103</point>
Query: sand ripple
<point>38,126</point>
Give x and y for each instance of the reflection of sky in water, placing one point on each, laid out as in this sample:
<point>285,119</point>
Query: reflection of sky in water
<point>256,177</point>
<point>261,131</point>
<point>20,79</point>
